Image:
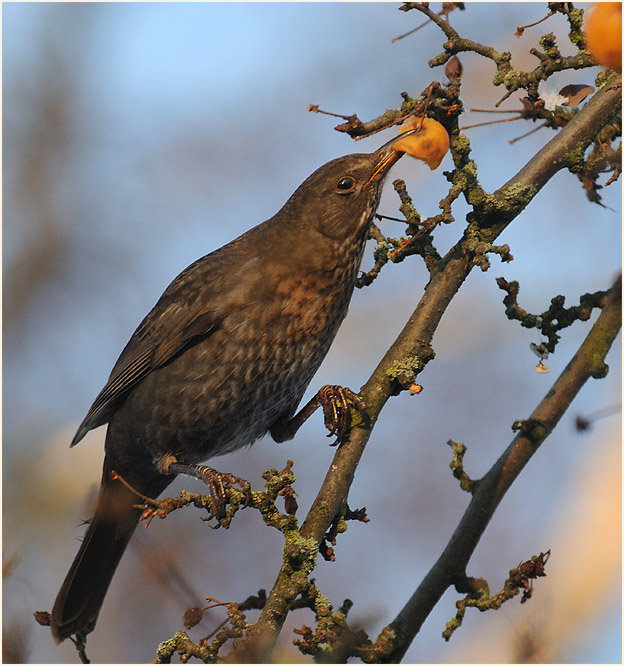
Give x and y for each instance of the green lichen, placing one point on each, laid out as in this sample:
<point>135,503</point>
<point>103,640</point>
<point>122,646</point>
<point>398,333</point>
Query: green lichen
<point>575,18</point>
<point>404,371</point>
<point>299,553</point>
<point>605,77</point>
<point>515,198</point>
<point>383,646</point>
<point>576,159</point>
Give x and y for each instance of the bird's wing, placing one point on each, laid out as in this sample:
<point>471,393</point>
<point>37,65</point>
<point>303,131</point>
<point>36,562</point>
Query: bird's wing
<point>189,309</point>
<point>142,355</point>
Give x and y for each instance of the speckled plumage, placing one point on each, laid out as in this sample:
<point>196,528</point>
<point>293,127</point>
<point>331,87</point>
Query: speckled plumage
<point>225,355</point>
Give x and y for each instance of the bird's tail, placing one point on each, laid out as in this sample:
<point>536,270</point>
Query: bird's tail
<point>81,596</point>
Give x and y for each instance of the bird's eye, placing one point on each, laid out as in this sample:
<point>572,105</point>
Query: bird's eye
<point>345,185</point>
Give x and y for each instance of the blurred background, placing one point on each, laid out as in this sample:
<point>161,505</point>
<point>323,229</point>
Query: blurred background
<point>139,137</point>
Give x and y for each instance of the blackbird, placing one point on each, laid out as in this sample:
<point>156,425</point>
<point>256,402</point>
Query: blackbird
<point>224,357</point>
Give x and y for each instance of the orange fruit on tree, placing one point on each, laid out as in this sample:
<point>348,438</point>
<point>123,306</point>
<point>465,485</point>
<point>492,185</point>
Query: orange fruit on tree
<point>603,32</point>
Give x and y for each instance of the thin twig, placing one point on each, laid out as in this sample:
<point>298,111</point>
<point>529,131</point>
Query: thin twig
<point>489,122</point>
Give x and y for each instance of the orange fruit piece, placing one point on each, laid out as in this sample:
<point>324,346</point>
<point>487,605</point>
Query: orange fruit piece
<point>430,144</point>
<point>603,30</point>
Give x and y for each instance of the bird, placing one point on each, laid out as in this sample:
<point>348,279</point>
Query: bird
<point>223,358</point>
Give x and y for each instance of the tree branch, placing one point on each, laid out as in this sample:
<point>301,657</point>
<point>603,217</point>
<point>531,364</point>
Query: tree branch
<point>451,565</point>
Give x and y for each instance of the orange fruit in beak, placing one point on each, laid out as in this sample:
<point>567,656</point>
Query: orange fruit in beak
<point>430,144</point>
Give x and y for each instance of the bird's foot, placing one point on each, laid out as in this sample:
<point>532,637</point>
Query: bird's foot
<point>337,411</point>
<point>217,482</point>
<point>336,402</point>
<point>80,641</point>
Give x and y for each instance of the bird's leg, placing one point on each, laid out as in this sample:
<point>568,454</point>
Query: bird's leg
<point>335,403</point>
<point>216,482</point>
<point>80,642</point>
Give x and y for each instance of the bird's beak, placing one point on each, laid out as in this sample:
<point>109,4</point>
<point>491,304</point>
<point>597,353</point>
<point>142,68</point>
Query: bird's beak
<point>387,156</point>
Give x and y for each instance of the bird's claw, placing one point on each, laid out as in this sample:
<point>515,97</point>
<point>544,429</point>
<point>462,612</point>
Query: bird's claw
<point>217,482</point>
<point>337,411</point>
